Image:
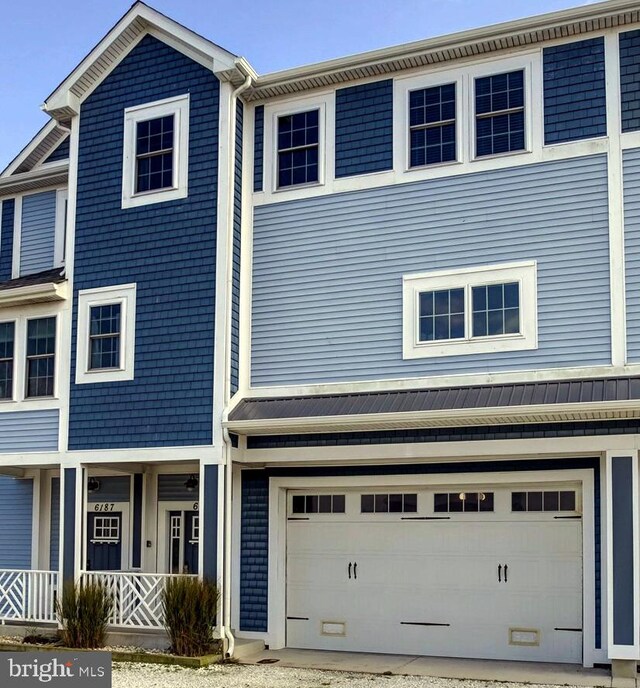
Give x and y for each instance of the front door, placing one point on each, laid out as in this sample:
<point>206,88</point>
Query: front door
<point>104,541</point>
<point>184,535</point>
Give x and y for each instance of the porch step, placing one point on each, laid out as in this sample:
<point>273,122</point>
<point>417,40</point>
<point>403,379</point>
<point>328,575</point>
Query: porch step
<point>246,647</point>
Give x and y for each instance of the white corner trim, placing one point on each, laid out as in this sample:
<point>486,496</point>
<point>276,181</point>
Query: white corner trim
<point>524,273</point>
<point>60,229</point>
<point>125,295</point>
<point>179,108</point>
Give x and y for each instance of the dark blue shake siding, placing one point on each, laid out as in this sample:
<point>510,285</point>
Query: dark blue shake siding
<point>167,248</point>
<point>258,148</point>
<point>364,128</point>
<point>6,238</point>
<point>60,153</point>
<point>630,80</point>
<point>575,104</point>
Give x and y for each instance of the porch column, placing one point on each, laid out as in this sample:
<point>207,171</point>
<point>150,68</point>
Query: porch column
<point>136,544</point>
<point>623,573</point>
<point>209,485</point>
<point>71,522</point>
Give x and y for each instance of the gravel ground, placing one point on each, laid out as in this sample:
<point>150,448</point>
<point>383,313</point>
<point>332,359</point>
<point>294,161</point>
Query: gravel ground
<point>241,676</point>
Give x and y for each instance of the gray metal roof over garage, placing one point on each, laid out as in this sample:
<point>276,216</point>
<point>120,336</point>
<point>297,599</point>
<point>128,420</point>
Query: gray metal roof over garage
<point>588,391</point>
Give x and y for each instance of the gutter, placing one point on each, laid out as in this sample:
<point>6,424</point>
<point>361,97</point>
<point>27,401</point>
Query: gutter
<point>225,628</point>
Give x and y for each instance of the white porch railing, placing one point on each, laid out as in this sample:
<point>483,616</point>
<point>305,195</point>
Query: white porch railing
<point>137,597</point>
<point>28,595</point>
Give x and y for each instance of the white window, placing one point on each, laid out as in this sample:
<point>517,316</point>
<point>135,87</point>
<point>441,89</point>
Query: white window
<point>106,334</point>
<point>299,137</point>
<point>472,310</point>
<point>156,152</point>
<point>106,529</point>
<point>195,529</point>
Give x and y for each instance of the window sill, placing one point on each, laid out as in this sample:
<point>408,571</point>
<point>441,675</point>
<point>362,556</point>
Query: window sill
<point>479,345</point>
<point>151,197</point>
<point>496,156</point>
<point>294,187</point>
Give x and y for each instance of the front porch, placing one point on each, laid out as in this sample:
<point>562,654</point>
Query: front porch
<point>128,527</point>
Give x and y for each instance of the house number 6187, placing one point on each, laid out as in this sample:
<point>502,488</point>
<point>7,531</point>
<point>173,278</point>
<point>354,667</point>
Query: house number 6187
<point>103,506</point>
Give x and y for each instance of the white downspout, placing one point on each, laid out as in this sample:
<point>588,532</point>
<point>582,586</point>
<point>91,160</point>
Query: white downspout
<point>225,628</point>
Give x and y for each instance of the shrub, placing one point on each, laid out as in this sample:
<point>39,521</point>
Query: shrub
<point>84,612</point>
<point>190,606</point>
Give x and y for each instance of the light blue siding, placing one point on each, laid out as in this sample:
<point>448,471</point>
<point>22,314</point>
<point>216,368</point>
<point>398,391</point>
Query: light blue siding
<point>327,291</point>
<point>16,512</point>
<point>631,167</point>
<point>37,235</point>
<point>29,431</point>
<point>54,543</point>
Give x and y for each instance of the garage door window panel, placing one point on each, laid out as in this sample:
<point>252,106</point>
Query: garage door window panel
<point>318,504</point>
<point>543,501</point>
<point>383,503</point>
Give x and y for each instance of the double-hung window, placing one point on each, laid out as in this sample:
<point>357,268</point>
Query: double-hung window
<point>474,310</point>
<point>156,152</point>
<point>500,113</point>
<point>105,331</point>
<point>432,125</point>
<point>7,347</point>
<point>41,357</point>
<point>298,148</point>
<point>106,334</point>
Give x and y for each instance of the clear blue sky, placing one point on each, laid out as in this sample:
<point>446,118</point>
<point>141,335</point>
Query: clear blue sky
<point>41,41</point>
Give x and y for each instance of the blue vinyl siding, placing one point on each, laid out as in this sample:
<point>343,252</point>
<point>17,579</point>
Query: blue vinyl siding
<point>167,248</point>
<point>575,103</point>
<point>364,128</point>
<point>327,275</point>
<point>6,238</point>
<point>38,232</point>
<point>258,148</point>
<point>60,153</point>
<point>630,80</point>
<point>116,488</point>
<point>29,431</point>
<point>16,513</point>
<point>171,488</point>
<point>631,176</point>
<point>254,525</point>
<point>237,245</point>
<point>54,542</point>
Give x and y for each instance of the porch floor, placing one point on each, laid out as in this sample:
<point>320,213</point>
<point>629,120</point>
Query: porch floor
<point>441,667</point>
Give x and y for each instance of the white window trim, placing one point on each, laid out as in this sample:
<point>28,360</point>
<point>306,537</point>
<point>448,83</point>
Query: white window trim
<point>523,272</point>
<point>179,108</point>
<point>464,77</point>
<point>326,143</point>
<point>125,295</point>
<point>61,221</point>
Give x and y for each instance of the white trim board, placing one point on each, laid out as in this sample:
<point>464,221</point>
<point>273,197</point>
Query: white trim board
<point>276,634</point>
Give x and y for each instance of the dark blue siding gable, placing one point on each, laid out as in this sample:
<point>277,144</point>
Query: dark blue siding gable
<point>59,153</point>
<point>167,248</point>
<point>6,238</point>
<point>16,511</point>
<point>364,128</point>
<point>574,91</point>
<point>115,488</point>
<point>237,230</point>
<point>258,148</point>
<point>630,79</point>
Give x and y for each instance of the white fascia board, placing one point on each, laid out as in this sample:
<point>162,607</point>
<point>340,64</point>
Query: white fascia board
<point>35,293</point>
<point>36,141</point>
<point>63,99</point>
<point>40,176</point>
<point>452,41</point>
<point>444,418</point>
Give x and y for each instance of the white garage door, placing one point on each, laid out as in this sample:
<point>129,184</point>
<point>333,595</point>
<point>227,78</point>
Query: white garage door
<point>458,572</point>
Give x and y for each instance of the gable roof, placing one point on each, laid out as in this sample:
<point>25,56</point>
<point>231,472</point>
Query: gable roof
<point>139,21</point>
<point>37,150</point>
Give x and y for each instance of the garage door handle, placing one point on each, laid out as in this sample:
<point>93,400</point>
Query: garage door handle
<point>355,570</point>
<point>505,573</point>
<point>499,573</point>
<point>349,570</point>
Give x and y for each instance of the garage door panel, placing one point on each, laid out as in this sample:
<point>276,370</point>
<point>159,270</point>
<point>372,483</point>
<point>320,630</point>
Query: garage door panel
<point>437,587</point>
